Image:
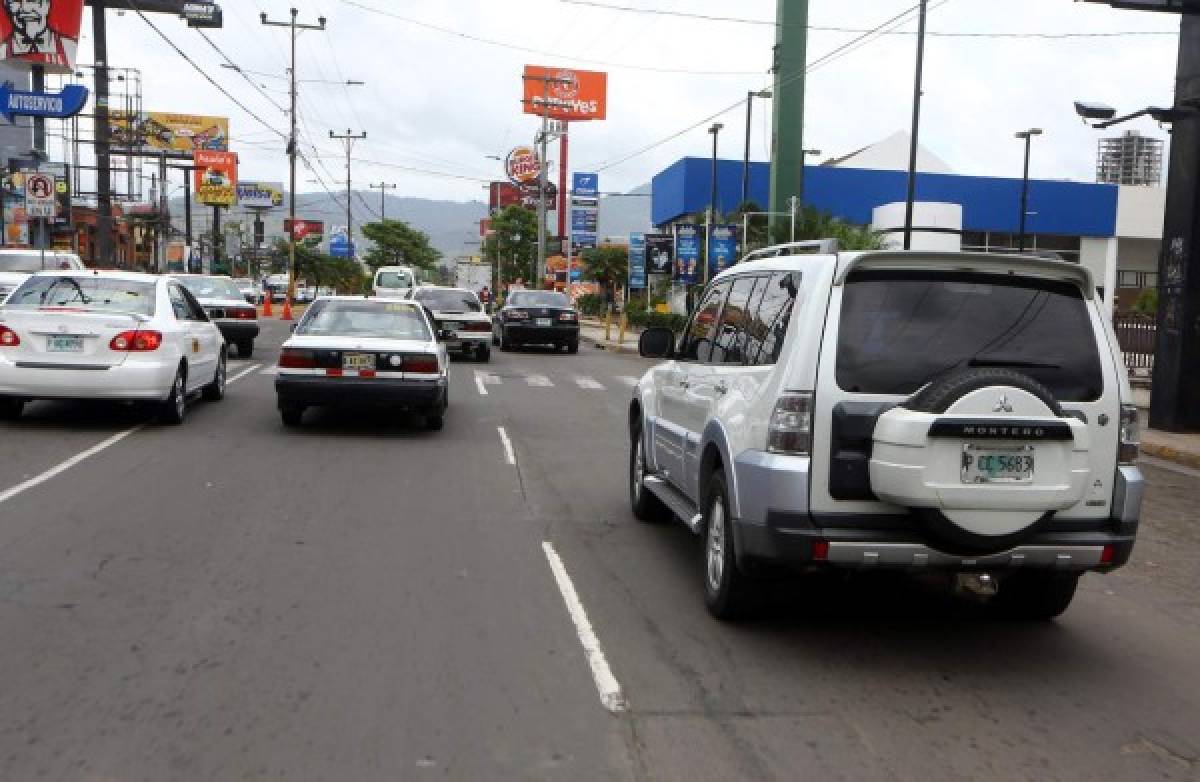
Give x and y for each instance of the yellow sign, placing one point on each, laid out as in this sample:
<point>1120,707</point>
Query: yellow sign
<point>175,134</point>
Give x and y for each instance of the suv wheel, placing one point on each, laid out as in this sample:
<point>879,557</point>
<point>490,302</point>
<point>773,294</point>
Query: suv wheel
<point>646,506</point>
<point>1035,596</point>
<point>726,588</point>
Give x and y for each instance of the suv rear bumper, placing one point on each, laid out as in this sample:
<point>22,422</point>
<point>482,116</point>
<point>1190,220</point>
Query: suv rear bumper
<point>773,524</point>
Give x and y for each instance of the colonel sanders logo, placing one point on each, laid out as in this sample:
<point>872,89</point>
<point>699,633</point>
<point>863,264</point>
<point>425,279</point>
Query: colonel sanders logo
<point>41,32</point>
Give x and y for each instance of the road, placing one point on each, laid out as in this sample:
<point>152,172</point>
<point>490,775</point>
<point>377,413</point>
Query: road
<point>355,601</point>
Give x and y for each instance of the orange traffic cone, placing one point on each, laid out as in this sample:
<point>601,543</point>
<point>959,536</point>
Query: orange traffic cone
<point>267,312</point>
<point>287,309</point>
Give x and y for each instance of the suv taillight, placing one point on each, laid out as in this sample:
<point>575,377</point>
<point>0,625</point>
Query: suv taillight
<point>8,338</point>
<point>1130,435</point>
<point>136,341</point>
<point>790,430</point>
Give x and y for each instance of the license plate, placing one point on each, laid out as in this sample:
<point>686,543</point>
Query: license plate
<point>545,321</point>
<point>358,361</point>
<point>64,344</point>
<point>997,464</point>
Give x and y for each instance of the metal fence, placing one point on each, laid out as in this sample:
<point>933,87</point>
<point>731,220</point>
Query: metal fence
<point>1135,334</point>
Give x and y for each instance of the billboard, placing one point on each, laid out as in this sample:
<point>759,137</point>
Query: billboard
<point>304,229</point>
<point>216,177</point>
<point>565,93</point>
<point>687,254</point>
<point>260,195</point>
<point>501,195</point>
<point>722,249</point>
<point>586,185</point>
<point>637,261</point>
<point>523,166</point>
<point>41,32</point>
<point>178,135</point>
<point>660,251</point>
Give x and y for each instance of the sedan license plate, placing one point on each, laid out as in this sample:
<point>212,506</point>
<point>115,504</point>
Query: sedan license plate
<point>997,464</point>
<point>545,322</point>
<point>358,361</point>
<point>64,344</point>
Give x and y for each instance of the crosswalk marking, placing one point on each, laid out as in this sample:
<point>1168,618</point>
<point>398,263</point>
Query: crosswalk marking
<point>589,383</point>
<point>629,381</point>
<point>539,381</point>
<point>488,378</point>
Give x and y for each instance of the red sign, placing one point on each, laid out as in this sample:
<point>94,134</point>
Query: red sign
<point>304,228</point>
<point>485,228</point>
<point>523,166</point>
<point>41,32</point>
<point>565,93</point>
<point>501,195</point>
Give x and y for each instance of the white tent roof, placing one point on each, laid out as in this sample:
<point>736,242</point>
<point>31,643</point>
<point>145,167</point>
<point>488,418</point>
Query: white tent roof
<point>891,154</point>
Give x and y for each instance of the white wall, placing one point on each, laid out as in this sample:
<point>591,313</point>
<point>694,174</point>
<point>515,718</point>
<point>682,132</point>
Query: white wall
<point>1140,212</point>
<point>926,214</point>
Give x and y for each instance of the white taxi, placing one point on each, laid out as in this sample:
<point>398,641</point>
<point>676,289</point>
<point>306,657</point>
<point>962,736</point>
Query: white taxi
<point>108,335</point>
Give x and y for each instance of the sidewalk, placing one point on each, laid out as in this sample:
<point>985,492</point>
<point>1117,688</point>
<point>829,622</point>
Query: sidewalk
<point>592,330</point>
<point>1179,448</point>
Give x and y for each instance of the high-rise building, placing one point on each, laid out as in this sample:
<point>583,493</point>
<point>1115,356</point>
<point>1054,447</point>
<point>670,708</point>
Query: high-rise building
<point>1130,159</point>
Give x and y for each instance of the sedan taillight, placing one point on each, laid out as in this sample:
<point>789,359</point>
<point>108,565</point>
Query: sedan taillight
<point>136,341</point>
<point>294,358</point>
<point>425,364</point>
<point>8,338</point>
<point>242,313</point>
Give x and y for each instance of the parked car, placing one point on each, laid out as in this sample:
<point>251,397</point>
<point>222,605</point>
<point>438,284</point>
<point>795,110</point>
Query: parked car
<point>223,303</point>
<point>377,354</point>
<point>536,318</point>
<point>16,266</point>
<point>459,312</point>
<point>953,413</point>
<point>108,335</point>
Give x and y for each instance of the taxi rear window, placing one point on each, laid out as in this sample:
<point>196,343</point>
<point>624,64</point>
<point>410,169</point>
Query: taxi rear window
<point>365,318</point>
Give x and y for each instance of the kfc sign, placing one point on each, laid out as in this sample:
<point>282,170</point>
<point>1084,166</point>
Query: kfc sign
<point>41,32</point>
<point>523,166</point>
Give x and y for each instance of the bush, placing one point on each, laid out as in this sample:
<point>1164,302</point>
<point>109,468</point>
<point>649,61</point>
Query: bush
<point>1147,302</point>
<point>644,319</point>
<point>590,304</point>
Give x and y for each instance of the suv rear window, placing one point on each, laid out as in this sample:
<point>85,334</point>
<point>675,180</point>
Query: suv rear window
<point>900,330</point>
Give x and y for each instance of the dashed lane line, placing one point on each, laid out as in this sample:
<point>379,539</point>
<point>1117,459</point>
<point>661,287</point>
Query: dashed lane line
<point>509,455</point>
<point>588,383</point>
<point>539,381</point>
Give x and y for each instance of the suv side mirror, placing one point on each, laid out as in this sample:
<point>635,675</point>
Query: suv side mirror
<point>657,342</point>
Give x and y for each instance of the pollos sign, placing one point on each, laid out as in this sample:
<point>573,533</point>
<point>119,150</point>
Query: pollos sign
<point>523,166</point>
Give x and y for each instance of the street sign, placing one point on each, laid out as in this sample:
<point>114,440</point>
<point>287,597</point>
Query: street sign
<point>584,220</point>
<point>586,185</point>
<point>54,105</point>
<point>40,196</point>
<point>637,261</point>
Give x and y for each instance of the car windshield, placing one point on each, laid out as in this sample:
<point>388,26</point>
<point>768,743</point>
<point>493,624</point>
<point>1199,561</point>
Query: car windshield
<point>449,300</point>
<point>900,330</point>
<point>34,262</point>
<point>88,293</point>
<point>211,287</point>
<point>363,318</point>
<point>394,280</point>
<point>539,299</point>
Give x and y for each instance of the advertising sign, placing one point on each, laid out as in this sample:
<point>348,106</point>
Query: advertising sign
<point>637,261</point>
<point>584,220</point>
<point>722,249</point>
<point>583,241</point>
<point>687,254</point>
<point>204,14</point>
<point>216,177</point>
<point>178,135</point>
<point>55,105</point>
<point>586,185</point>
<point>565,94</point>
<point>40,201</point>
<point>660,252</point>
<point>523,166</point>
<point>304,229</point>
<point>340,246</point>
<point>62,190</point>
<point>501,195</point>
<point>260,195</point>
<point>41,32</point>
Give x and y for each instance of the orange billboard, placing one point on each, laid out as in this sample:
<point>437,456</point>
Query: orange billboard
<point>216,177</point>
<point>565,93</point>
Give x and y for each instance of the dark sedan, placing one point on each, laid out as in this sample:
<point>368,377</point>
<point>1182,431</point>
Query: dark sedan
<point>536,318</point>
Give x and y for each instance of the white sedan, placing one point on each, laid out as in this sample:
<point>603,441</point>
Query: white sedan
<point>460,312</point>
<point>108,335</point>
<point>360,352</point>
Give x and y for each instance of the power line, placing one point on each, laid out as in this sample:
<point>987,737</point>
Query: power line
<point>237,68</point>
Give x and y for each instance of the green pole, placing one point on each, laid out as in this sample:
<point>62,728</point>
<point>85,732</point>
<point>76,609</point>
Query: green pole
<point>787,136</point>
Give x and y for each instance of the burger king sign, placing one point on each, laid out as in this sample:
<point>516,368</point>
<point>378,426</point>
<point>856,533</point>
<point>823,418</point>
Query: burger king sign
<point>523,166</point>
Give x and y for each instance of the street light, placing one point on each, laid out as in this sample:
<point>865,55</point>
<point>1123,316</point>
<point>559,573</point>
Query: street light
<point>1027,135</point>
<point>711,217</point>
<point>750,96</point>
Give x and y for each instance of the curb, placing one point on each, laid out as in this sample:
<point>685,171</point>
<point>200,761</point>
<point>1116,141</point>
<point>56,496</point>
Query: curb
<point>609,346</point>
<point>1167,453</point>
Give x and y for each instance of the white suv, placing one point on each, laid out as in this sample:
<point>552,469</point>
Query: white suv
<point>962,413</point>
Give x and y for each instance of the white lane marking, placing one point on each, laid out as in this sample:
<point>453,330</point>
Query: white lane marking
<point>629,381</point>
<point>490,379</point>
<point>509,454</point>
<point>606,683</point>
<point>539,381</point>
<point>270,371</point>
<point>589,383</point>
<point>82,456</point>
<point>479,384</point>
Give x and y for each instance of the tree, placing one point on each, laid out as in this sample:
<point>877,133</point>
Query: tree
<point>608,264</point>
<point>812,223</point>
<point>322,270</point>
<point>514,242</point>
<point>399,244</point>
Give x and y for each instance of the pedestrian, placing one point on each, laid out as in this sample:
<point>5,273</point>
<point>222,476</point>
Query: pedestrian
<point>485,297</point>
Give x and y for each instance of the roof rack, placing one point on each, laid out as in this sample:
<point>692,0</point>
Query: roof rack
<point>813,247</point>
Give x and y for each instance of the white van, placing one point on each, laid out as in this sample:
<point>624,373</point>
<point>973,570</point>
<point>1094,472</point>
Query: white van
<point>952,413</point>
<point>394,282</point>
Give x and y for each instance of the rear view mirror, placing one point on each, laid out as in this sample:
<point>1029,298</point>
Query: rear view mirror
<point>657,343</point>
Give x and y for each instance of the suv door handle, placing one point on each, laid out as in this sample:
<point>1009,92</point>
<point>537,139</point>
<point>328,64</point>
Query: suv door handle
<point>722,387</point>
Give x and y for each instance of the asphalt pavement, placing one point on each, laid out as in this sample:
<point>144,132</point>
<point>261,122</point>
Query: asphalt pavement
<point>359,599</point>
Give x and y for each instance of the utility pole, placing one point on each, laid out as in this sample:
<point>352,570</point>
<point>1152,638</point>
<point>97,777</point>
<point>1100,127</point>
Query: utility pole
<point>383,187</point>
<point>296,28</point>
<point>910,198</point>
<point>542,139</point>
<point>348,138</point>
<point>787,121</point>
<point>711,214</point>
<point>103,251</point>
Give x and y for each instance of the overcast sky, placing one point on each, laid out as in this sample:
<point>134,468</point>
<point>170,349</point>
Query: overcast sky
<point>441,102</point>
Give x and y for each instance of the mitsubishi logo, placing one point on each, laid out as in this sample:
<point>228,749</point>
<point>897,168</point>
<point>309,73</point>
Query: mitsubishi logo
<point>1003,405</point>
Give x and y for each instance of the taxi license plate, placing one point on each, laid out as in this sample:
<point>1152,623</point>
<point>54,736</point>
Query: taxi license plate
<point>358,361</point>
<point>997,464</point>
<point>545,322</point>
<point>64,344</point>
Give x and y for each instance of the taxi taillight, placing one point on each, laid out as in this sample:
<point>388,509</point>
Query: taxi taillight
<point>426,364</point>
<point>137,341</point>
<point>294,358</point>
<point>243,313</point>
<point>8,338</point>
